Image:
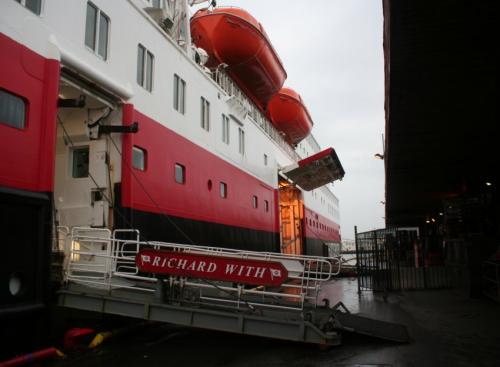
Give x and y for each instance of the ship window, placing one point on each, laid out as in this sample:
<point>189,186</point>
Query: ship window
<point>157,3</point>
<point>265,159</point>
<point>225,129</point>
<point>223,190</point>
<point>103,36</point>
<point>80,162</point>
<point>145,64</point>
<point>180,173</point>
<point>34,5</point>
<point>241,141</point>
<point>139,158</point>
<point>205,114</point>
<point>97,30</point>
<point>179,94</point>
<point>255,202</point>
<point>12,110</point>
<point>266,205</point>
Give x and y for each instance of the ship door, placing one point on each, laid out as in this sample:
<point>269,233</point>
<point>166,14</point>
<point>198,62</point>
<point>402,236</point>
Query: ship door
<point>291,216</point>
<point>84,175</point>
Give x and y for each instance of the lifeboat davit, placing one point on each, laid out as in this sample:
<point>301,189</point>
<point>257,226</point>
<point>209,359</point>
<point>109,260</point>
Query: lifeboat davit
<point>287,112</point>
<point>233,37</point>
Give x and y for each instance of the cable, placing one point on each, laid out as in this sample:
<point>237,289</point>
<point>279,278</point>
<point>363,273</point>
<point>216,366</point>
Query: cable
<point>163,214</point>
<point>166,217</point>
<point>67,137</point>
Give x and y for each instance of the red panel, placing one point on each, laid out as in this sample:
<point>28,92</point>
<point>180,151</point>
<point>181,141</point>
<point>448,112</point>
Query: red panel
<point>228,269</point>
<point>324,153</point>
<point>193,199</point>
<point>320,227</point>
<point>28,155</point>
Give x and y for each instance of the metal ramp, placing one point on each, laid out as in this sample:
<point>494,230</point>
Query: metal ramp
<point>102,275</point>
<point>270,324</point>
<point>346,321</point>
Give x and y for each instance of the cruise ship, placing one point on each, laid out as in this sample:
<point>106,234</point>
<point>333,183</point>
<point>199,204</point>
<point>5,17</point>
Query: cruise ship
<point>156,116</point>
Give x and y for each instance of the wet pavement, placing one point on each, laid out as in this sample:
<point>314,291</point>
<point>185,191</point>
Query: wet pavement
<point>446,329</point>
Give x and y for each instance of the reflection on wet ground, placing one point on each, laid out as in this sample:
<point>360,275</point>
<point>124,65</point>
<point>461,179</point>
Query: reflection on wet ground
<point>345,290</point>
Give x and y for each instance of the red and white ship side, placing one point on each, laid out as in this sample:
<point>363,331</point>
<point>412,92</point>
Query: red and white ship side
<point>109,118</point>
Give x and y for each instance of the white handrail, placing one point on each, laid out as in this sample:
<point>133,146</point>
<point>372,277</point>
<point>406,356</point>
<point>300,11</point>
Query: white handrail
<point>98,258</point>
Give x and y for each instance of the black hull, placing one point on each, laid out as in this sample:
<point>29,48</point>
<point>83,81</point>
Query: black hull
<point>25,224</point>
<point>315,247</point>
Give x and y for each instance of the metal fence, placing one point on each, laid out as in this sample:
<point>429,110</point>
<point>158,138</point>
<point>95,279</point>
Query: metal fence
<point>491,279</point>
<point>393,259</point>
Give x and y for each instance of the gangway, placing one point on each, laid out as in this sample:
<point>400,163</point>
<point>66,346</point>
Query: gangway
<point>117,273</point>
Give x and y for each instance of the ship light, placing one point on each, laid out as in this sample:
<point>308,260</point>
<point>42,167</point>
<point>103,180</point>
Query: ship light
<point>15,284</point>
<point>75,246</point>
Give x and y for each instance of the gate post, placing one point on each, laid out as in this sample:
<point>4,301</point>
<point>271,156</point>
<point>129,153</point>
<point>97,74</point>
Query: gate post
<point>358,267</point>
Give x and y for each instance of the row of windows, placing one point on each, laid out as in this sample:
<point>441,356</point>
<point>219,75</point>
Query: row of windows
<point>97,28</point>
<point>255,203</point>
<point>80,169</point>
<point>316,224</point>
<point>139,162</point>
<point>180,106</point>
<point>323,201</point>
<point>96,39</point>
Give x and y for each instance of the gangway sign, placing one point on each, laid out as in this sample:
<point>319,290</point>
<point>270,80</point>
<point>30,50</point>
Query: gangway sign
<point>222,268</point>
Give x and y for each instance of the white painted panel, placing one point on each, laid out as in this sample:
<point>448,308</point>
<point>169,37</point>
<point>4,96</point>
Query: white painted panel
<point>97,163</point>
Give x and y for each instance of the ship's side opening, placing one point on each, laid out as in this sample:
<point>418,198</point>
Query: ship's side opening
<point>291,211</point>
<point>85,166</point>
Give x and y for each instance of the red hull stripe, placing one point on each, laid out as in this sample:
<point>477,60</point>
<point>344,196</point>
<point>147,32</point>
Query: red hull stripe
<point>28,154</point>
<point>319,227</point>
<point>193,199</point>
<point>324,153</point>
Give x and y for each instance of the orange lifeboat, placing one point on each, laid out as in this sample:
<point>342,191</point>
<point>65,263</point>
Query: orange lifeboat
<point>288,114</point>
<point>233,37</point>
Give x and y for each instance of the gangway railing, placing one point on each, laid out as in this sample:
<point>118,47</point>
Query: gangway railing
<point>115,273</point>
<point>107,260</point>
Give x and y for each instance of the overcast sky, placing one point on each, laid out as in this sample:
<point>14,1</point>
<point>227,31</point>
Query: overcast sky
<point>332,52</point>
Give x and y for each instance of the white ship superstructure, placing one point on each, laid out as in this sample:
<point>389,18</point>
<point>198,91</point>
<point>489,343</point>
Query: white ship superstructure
<point>111,118</point>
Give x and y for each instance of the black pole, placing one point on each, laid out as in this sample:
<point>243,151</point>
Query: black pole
<point>358,267</point>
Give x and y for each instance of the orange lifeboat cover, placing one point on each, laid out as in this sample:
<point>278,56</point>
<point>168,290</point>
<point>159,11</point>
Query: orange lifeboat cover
<point>234,37</point>
<point>288,114</point>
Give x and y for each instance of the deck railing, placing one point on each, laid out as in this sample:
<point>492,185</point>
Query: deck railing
<point>257,117</point>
